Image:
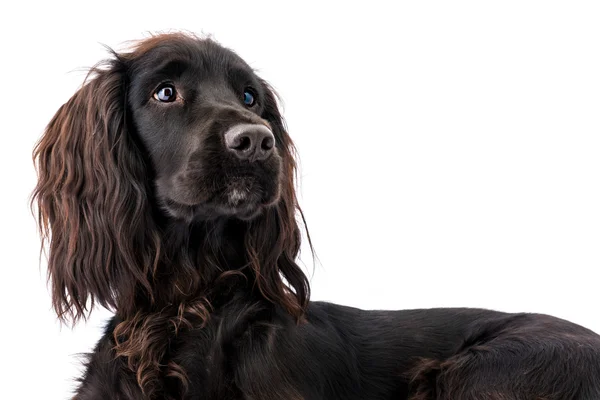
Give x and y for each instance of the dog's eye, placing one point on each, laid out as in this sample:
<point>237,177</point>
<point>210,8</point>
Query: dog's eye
<point>249,97</point>
<point>166,94</point>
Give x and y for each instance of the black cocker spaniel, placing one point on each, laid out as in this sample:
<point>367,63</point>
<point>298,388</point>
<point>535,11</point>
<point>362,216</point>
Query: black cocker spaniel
<point>166,193</point>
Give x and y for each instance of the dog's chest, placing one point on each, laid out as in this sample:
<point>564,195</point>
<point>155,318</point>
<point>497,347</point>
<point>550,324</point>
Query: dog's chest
<point>235,363</point>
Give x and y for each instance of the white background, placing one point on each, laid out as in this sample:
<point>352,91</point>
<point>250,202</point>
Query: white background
<point>450,151</point>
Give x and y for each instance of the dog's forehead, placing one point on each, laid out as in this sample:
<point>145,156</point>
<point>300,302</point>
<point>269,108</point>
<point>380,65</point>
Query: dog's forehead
<point>197,54</point>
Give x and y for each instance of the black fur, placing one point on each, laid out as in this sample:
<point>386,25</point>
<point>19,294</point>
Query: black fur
<point>252,350</point>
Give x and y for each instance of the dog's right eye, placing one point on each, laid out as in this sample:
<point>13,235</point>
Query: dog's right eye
<point>166,94</point>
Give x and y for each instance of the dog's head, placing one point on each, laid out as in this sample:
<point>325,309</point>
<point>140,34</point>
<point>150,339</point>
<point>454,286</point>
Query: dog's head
<point>179,130</point>
<point>210,127</point>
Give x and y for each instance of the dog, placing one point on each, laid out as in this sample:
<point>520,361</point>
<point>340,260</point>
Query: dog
<point>166,193</point>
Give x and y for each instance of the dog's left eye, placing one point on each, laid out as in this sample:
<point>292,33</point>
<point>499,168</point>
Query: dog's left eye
<point>249,97</point>
<point>166,94</point>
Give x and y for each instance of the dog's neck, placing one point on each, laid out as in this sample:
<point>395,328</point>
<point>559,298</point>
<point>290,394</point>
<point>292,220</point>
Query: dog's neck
<point>213,260</point>
<point>202,259</point>
<point>199,243</point>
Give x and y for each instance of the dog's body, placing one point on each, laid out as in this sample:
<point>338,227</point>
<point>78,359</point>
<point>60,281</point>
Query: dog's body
<point>252,351</point>
<point>167,183</point>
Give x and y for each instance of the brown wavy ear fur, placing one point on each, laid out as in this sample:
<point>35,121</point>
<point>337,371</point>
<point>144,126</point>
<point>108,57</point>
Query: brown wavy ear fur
<point>92,201</point>
<point>273,241</point>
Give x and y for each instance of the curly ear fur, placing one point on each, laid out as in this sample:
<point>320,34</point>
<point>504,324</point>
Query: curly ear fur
<point>93,208</point>
<point>273,241</point>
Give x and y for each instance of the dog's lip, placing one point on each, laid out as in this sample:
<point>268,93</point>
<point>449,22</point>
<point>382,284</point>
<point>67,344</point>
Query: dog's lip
<point>252,200</point>
<point>211,210</point>
<point>238,195</point>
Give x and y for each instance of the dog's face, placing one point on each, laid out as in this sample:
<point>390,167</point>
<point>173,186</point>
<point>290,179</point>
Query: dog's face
<point>197,108</point>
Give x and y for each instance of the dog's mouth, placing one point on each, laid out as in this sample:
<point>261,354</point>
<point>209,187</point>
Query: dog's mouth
<point>243,197</point>
<point>241,190</point>
<point>246,195</point>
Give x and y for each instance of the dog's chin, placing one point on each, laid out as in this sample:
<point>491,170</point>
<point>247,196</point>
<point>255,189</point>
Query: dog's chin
<point>233,203</point>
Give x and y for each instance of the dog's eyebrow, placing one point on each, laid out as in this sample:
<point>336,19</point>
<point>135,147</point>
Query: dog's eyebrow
<point>171,68</point>
<point>240,73</point>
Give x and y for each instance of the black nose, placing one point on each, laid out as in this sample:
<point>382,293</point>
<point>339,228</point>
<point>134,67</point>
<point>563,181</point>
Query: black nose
<point>250,141</point>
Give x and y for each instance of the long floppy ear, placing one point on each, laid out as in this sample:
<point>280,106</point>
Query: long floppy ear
<point>273,241</point>
<point>91,195</point>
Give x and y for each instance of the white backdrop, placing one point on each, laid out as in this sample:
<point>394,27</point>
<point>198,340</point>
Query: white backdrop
<point>449,151</point>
